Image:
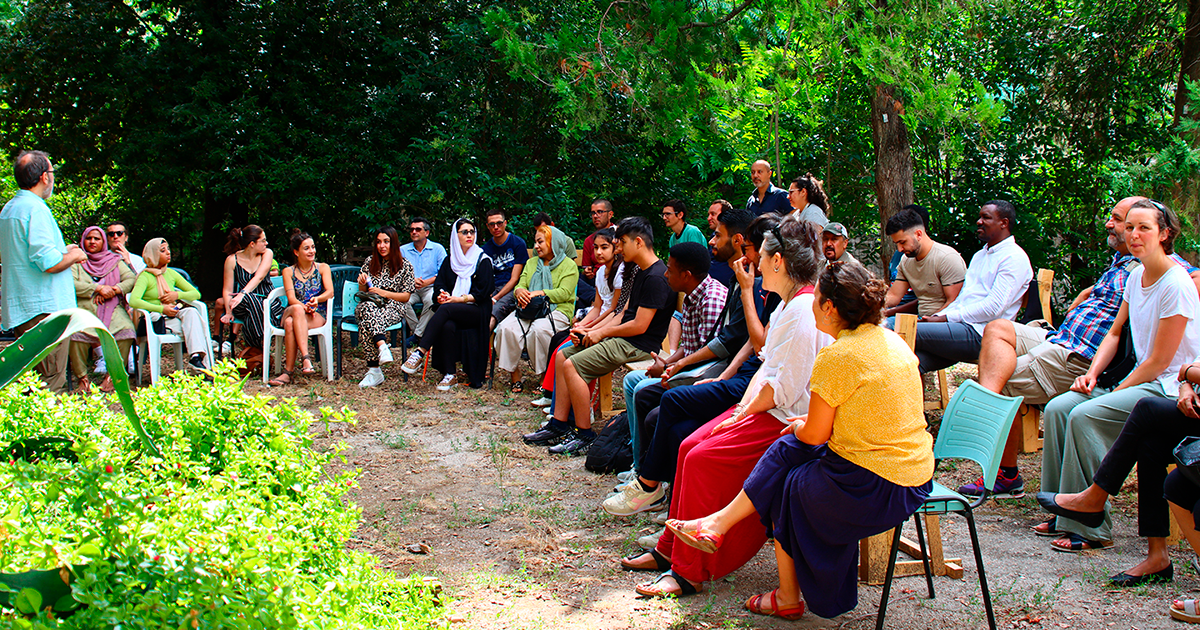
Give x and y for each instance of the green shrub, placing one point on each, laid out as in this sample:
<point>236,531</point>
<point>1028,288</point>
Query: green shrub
<point>237,524</point>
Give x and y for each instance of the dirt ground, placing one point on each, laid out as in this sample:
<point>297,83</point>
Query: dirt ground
<point>518,540</point>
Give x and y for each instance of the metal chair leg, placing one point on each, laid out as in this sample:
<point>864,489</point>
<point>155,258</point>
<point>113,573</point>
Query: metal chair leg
<point>987,597</point>
<point>887,580</point>
<point>924,554</point>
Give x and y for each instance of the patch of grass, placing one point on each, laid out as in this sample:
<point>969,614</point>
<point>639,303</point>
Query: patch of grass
<point>394,440</point>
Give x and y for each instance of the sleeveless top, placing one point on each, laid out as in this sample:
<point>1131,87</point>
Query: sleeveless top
<point>241,277</point>
<point>307,289</point>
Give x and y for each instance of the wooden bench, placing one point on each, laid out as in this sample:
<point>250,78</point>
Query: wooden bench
<point>604,385</point>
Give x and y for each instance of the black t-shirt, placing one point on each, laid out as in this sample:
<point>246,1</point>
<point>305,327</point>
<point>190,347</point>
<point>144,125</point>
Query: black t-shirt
<point>650,290</point>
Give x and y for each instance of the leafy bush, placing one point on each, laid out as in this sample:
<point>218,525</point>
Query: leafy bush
<point>237,524</point>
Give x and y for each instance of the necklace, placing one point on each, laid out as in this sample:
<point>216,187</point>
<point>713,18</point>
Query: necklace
<point>304,276</point>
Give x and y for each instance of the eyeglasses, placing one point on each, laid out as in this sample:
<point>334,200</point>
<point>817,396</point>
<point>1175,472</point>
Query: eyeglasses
<point>116,233</point>
<point>467,232</point>
<point>794,190</point>
<point>669,214</point>
<point>597,213</point>
<point>495,224</point>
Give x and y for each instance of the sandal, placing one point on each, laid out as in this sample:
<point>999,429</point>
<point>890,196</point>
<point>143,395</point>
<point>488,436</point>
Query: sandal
<point>661,563</point>
<point>106,385</point>
<point>651,589</point>
<point>307,358</point>
<point>755,605</point>
<point>517,387</point>
<point>708,542</point>
<point>1190,611</point>
<point>279,381</point>
<point>1077,543</point>
<point>1049,527</point>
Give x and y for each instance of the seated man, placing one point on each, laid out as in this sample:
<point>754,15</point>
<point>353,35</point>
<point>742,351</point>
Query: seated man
<point>997,278</point>
<point>602,350</point>
<point>834,239</point>
<point>509,255</point>
<point>1020,360</point>
<point>932,270</point>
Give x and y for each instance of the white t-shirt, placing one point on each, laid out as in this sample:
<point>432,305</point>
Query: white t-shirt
<point>788,356</point>
<point>1173,294</point>
<point>137,262</point>
<point>606,295</point>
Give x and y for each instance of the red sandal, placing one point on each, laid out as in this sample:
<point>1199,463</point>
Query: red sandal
<point>754,605</point>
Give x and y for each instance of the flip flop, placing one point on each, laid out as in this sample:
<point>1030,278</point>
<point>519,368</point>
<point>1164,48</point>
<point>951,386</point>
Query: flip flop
<point>754,605</point>
<point>661,563</point>
<point>707,542</point>
<point>1079,543</point>
<point>1190,612</point>
<point>685,587</point>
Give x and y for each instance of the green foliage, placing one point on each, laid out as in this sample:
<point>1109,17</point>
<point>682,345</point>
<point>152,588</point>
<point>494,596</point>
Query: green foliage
<point>238,524</point>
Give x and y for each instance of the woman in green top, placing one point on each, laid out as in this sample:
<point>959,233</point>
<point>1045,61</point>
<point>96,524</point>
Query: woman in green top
<point>553,277</point>
<point>162,292</point>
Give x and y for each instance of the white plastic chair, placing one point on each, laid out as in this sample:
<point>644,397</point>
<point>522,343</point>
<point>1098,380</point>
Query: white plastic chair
<point>151,345</point>
<point>271,332</point>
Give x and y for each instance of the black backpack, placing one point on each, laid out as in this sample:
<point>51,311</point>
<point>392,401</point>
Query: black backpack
<point>613,449</point>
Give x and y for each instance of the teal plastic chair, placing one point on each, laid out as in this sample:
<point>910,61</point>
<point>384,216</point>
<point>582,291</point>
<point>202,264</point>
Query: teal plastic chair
<point>348,324</point>
<point>975,427</point>
<point>276,283</point>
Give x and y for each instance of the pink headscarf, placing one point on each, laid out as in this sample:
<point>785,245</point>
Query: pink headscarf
<point>103,265</point>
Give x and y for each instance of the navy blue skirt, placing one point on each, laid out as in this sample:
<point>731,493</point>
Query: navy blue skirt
<point>818,505</point>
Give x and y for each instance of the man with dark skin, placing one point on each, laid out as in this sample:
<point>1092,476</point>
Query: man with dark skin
<point>996,281</point>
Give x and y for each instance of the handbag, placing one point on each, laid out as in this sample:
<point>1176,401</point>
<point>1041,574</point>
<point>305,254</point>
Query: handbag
<point>538,307</point>
<point>373,298</point>
<point>1122,362</point>
<point>1187,456</point>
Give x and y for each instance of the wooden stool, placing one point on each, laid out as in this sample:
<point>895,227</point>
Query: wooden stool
<point>873,555</point>
<point>906,327</point>
<point>1031,428</point>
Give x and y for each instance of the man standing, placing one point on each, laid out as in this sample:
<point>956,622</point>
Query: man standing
<point>674,214</point>
<point>36,259</point>
<point>932,270</point>
<point>426,258</point>
<point>834,239</point>
<point>509,255</point>
<point>766,196</point>
<point>997,278</point>
<point>118,236</point>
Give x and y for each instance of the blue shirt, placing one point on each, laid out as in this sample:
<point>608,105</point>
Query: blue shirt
<point>31,243</point>
<point>776,200</point>
<point>504,257</point>
<point>426,262</point>
<point>1084,328</point>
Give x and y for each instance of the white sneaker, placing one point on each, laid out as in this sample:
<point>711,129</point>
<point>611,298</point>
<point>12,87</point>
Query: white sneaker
<point>226,348</point>
<point>446,383</point>
<point>385,354</point>
<point>632,500</point>
<point>544,401</point>
<point>628,475</point>
<point>373,378</point>
<point>549,411</point>
<point>650,541</point>
<point>101,366</point>
<point>662,517</point>
<point>413,363</point>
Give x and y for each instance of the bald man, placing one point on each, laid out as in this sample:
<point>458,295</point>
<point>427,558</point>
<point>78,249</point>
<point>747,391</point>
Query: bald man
<point>766,196</point>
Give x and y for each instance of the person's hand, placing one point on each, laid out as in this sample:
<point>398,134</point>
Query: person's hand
<point>1188,403</point>
<point>592,338</point>
<point>235,299</point>
<point>227,318</point>
<point>362,282</point>
<point>744,272</point>
<point>171,297</point>
<point>739,413</point>
<point>443,297</point>
<point>933,319</point>
<point>98,298</point>
<point>376,291</point>
<point>589,272</point>
<point>656,369</point>
<point>794,425</point>
<point>170,310</point>
<point>1084,384</point>
<point>523,297</point>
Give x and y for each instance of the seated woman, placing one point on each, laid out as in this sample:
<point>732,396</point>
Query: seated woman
<point>309,287</point>
<point>385,273</point>
<point>713,461</point>
<point>247,267</point>
<point>553,276</point>
<point>858,463</point>
<point>1161,306</point>
<point>160,291</point>
<point>463,292</point>
<point>101,282</point>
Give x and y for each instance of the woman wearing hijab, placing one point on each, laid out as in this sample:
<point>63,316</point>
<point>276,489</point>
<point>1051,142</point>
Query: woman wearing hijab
<point>552,278</point>
<point>161,291</point>
<point>101,282</point>
<point>463,290</point>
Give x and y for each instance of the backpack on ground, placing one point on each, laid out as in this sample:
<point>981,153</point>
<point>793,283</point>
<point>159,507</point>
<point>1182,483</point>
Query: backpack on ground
<point>613,449</point>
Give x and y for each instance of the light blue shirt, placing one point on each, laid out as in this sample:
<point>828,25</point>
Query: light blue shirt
<point>31,243</point>
<point>426,262</point>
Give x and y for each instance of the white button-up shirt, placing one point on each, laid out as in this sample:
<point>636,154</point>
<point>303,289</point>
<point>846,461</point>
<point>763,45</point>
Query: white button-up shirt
<point>997,279</point>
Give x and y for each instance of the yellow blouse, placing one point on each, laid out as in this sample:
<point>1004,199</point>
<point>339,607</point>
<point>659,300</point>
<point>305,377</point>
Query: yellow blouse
<point>870,377</point>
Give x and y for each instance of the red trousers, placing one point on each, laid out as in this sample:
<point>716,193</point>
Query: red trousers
<point>710,473</point>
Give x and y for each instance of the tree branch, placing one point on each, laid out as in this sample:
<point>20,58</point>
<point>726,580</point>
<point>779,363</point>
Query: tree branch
<point>732,14</point>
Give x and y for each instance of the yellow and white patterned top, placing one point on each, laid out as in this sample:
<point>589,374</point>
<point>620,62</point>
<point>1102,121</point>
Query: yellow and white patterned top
<point>870,377</point>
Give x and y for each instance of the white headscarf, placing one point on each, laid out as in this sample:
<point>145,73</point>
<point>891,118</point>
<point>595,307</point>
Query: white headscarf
<point>463,263</point>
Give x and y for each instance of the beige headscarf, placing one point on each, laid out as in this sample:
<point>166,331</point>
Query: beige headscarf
<point>154,265</point>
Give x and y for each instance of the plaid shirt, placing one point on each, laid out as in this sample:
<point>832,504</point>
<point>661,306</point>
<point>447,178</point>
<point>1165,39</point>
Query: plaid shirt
<point>702,314</point>
<point>1085,327</point>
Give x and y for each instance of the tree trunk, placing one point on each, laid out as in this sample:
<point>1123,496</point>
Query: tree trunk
<point>1189,67</point>
<point>210,263</point>
<point>893,161</point>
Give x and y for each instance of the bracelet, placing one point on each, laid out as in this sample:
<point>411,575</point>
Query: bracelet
<point>1185,373</point>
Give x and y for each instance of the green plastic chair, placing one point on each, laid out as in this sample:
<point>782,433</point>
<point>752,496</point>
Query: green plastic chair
<point>975,427</point>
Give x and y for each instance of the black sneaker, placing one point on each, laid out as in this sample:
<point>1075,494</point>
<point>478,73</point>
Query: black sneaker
<point>547,435</point>
<point>575,446</point>
<point>197,362</point>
